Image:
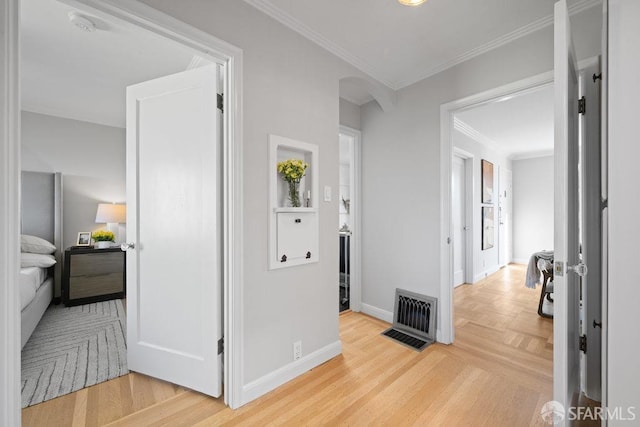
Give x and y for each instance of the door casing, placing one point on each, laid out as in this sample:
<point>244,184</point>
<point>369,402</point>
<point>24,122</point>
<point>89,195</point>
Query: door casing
<point>218,51</point>
<point>355,303</point>
<point>446,332</point>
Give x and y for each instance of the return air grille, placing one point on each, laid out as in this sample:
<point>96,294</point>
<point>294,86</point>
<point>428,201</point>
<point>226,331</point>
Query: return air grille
<point>413,320</point>
<point>408,340</point>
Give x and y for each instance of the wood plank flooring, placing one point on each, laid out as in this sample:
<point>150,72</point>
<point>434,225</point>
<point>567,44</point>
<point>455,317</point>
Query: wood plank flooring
<point>498,373</point>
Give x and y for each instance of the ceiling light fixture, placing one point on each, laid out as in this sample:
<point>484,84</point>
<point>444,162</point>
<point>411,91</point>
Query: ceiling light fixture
<point>82,22</point>
<point>411,2</point>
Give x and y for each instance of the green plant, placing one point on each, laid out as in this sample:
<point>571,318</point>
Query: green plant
<point>103,236</point>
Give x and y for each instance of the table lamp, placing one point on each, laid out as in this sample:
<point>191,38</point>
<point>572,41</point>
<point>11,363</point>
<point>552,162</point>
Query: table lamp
<point>112,215</point>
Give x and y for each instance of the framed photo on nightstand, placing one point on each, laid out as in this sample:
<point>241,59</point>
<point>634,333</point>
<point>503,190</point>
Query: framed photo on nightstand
<point>84,238</point>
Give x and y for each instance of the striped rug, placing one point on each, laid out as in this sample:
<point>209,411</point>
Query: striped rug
<point>73,348</point>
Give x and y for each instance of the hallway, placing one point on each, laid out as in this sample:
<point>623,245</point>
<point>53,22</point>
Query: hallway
<point>498,373</point>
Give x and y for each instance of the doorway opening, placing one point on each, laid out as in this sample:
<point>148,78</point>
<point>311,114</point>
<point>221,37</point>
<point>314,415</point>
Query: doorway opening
<point>229,59</point>
<point>457,134</point>
<point>462,217</point>
<point>349,219</point>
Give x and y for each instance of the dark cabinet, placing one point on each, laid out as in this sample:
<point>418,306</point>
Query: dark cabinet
<point>92,275</point>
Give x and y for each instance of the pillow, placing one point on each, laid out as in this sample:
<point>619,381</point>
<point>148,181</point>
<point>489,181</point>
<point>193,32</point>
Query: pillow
<point>36,245</point>
<point>36,260</point>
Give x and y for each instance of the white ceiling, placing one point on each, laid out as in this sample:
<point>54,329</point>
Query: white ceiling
<point>400,45</point>
<point>70,73</point>
<point>519,127</point>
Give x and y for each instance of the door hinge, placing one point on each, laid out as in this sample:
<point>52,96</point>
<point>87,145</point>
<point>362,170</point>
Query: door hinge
<point>597,77</point>
<point>221,345</point>
<point>221,102</point>
<point>604,203</point>
<point>583,343</point>
<point>582,105</point>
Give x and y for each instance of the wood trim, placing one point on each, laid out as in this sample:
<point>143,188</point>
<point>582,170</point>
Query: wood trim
<point>355,302</point>
<point>446,333</point>
<point>294,24</point>
<point>219,51</point>
<point>274,379</point>
<point>378,313</point>
<point>10,217</point>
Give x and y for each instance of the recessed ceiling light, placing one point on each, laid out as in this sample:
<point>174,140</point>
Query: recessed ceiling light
<point>82,22</point>
<point>411,2</point>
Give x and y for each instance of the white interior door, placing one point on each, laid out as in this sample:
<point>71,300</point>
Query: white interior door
<point>566,361</point>
<point>173,208</point>
<point>458,194</point>
<point>504,217</point>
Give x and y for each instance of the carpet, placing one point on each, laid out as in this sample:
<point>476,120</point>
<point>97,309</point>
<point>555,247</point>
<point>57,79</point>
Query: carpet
<point>72,348</point>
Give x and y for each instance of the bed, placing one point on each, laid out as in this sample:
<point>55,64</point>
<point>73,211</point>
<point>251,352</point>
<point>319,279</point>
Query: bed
<point>42,219</point>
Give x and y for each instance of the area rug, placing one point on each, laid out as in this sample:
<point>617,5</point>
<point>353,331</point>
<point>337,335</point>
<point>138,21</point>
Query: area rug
<point>72,348</point>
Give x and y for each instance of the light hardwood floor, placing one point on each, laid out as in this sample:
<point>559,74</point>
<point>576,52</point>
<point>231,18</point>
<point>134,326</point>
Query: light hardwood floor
<point>498,373</point>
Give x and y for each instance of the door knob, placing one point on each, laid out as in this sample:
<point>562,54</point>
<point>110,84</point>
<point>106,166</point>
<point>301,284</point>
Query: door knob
<point>127,246</point>
<point>580,269</point>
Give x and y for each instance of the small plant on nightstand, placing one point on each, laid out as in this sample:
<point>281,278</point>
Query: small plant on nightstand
<point>103,238</point>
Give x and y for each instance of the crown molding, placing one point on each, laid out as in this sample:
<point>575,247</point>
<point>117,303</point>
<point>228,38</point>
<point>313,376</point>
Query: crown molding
<point>197,62</point>
<point>357,102</point>
<point>294,24</point>
<point>531,154</point>
<point>472,133</point>
<point>495,43</point>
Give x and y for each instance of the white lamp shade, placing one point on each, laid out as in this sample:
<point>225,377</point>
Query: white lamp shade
<point>111,213</point>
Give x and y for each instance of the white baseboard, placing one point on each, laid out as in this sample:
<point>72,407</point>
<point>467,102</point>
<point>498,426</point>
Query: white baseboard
<point>486,273</point>
<point>378,313</point>
<point>275,379</point>
<point>520,261</point>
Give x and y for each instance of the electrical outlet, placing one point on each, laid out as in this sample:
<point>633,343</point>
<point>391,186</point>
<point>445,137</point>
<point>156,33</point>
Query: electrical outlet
<point>297,350</point>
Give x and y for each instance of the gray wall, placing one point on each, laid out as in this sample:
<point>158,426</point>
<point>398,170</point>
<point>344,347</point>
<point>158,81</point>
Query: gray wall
<point>91,158</point>
<point>624,205</point>
<point>401,160</point>
<point>290,88</point>
<point>486,261</point>
<point>349,114</point>
<point>532,206</point>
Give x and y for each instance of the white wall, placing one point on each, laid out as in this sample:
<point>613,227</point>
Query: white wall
<point>532,206</point>
<point>486,261</point>
<point>624,206</point>
<point>91,158</point>
<point>401,161</point>
<point>290,88</point>
<point>349,114</point>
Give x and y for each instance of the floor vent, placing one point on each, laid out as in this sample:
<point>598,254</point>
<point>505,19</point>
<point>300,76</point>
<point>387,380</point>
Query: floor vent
<point>414,320</point>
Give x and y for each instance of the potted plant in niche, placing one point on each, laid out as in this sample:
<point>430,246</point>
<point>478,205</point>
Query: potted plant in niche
<point>103,238</point>
<point>292,171</point>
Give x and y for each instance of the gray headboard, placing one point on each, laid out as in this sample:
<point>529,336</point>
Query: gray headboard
<point>42,213</point>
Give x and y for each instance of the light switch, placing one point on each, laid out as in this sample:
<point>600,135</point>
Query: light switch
<point>327,193</point>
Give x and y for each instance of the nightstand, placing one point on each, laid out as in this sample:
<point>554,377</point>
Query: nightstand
<point>92,275</point>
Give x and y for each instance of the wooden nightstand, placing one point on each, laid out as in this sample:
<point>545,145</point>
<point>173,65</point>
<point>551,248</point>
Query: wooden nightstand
<point>92,275</point>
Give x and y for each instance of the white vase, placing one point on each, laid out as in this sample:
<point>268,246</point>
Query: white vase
<point>103,244</point>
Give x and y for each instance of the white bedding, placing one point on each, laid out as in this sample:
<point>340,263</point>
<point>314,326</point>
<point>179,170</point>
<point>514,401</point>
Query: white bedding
<point>30,280</point>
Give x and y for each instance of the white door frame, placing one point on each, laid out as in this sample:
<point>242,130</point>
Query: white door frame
<point>355,267</point>
<point>446,332</point>
<point>219,51</point>
<point>468,212</point>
